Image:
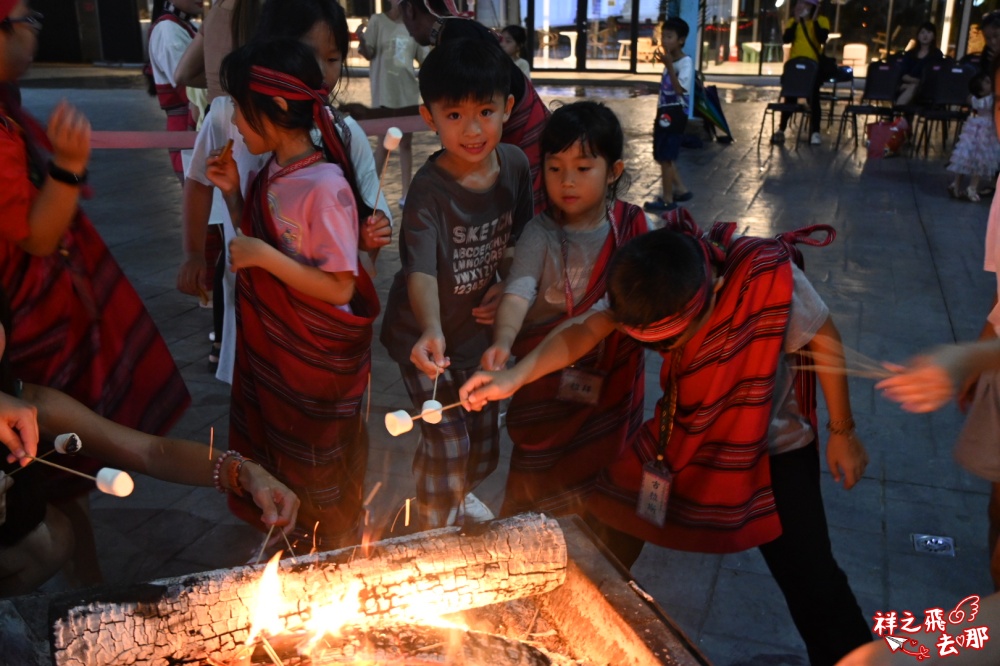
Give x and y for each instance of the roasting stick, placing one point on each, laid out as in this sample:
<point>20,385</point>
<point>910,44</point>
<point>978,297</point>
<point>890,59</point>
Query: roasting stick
<point>264,545</point>
<point>109,481</point>
<point>400,421</point>
<point>390,142</point>
<point>67,444</point>
<point>211,441</point>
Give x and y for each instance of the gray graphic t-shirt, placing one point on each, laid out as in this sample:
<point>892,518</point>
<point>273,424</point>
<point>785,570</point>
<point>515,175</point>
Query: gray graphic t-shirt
<point>459,237</point>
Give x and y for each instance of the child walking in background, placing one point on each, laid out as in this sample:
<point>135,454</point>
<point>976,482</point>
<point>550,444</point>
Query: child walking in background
<point>304,311</point>
<point>677,82</point>
<point>513,39</point>
<point>977,153</point>
<point>568,426</point>
<point>466,207</point>
<point>169,36</point>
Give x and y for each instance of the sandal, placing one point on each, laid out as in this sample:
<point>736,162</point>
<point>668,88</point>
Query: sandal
<point>954,192</point>
<point>972,195</point>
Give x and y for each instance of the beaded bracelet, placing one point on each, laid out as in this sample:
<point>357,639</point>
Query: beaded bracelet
<point>841,426</point>
<point>217,472</point>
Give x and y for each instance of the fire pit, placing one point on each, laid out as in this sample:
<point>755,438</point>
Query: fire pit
<point>528,590</point>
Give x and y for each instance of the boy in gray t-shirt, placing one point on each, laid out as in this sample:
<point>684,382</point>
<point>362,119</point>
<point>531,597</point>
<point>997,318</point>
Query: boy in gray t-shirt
<point>463,211</point>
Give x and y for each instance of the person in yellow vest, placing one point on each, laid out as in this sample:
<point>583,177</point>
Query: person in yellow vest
<point>806,31</point>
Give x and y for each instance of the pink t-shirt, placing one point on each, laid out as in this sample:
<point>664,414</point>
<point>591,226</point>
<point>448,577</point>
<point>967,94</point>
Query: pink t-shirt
<point>315,217</point>
<point>993,255</point>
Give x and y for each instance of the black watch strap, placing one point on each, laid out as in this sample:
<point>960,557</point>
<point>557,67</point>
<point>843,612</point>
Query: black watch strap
<point>63,176</point>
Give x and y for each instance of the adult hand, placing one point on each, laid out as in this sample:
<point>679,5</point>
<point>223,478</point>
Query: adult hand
<point>428,353</point>
<point>846,458</point>
<point>927,382</point>
<point>376,232</point>
<point>485,313</point>
<point>69,133</point>
<point>191,276</point>
<point>278,504</point>
<point>484,387</point>
<point>18,429</point>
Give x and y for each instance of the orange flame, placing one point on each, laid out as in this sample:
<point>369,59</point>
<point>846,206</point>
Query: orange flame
<point>264,614</point>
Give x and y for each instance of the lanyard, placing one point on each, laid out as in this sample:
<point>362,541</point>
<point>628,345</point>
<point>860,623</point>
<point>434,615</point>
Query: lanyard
<point>668,405</point>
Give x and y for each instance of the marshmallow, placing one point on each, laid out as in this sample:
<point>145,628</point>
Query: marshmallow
<point>393,136</point>
<point>114,482</point>
<point>431,411</point>
<point>398,422</point>
<point>68,444</point>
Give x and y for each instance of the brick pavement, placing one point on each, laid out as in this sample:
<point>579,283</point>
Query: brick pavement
<point>904,274</point>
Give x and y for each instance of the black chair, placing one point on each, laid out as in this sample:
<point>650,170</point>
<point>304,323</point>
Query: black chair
<point>798,80</point>
<point>881,83</point>
<point>945,93</point>
<point>841,89</point>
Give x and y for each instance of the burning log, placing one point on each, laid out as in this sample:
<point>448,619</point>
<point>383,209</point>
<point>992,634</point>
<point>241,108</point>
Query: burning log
<point>189,619</point>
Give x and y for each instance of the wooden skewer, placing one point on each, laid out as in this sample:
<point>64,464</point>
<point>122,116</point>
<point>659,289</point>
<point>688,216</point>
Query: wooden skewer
<point>211,441</point>
<point>270,652</point>
<point>38,458</point>
<point>65,469</point>
<point>264,545</point>
<point>868,374</point>
<point>452,405</point>
<point>435,391</point>
<point>226,152</point>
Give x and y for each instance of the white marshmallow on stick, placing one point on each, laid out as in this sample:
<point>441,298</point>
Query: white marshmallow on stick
<point>400,421</point>
<point>114,482</point>
<point>390,142</point>
<point>68,443</point>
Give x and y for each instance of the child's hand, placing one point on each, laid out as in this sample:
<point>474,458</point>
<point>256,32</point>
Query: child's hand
<point>191,276</point>
<point>223,173</point>
<point>484,387</point>
<point>496,357</point>
<point>279,506</point>
<point>486,312</point>
<point>69,133</point>
<point>846,458</point>
<point>428,354</point>
<point>247,252</point>
<point>375,232</point>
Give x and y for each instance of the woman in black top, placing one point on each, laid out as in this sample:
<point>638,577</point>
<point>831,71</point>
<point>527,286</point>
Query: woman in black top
<point>916,61</point>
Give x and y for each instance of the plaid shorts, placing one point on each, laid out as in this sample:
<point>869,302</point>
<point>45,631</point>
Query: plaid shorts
<point>453,456</point>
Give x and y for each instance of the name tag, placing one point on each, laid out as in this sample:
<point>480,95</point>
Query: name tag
<point>578,385</point>
<point>653,494</point>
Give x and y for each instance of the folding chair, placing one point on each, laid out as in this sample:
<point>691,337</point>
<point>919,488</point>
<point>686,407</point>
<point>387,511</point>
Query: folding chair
<point>798,80</point>
<point>946,89</point>
<point>844,77</point>
<point>880,86</point>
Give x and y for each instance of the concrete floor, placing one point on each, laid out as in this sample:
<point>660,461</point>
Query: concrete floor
<point>905,273</point>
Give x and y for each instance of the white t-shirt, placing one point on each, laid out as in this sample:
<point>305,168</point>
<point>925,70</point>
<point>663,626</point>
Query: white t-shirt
<point>393,81</point>
<point>167,44</point>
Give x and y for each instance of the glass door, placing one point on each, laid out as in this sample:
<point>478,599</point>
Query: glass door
<point>556,33</point>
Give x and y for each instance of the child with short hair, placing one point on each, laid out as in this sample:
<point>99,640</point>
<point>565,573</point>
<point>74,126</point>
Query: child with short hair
<point>513,39</point>
<point>733,443</point>
<point>568,426</point>
<point>676,83</point>
<point>304,309</point>
<point>466,207</point>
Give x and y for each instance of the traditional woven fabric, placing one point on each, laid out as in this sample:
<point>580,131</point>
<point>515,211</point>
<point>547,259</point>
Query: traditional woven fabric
<point>559,446</point>
<point>302,368</point>
<point>79,326</point>
<point>453,456</point>
<point>524,129</point>
<point>174,100</point>
<point>721,498</point>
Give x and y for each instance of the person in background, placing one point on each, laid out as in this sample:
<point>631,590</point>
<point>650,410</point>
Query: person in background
<point>916,62</point>
<point>513,39</point>
<point>392,51</point>
<point>432,22</point>
<point>977,151</point>
<point>676,84</point>
<point>807,32</point>
<point>170,34</point>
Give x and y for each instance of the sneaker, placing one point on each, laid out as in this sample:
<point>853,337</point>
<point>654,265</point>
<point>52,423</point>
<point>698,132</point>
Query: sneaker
<point>815,139</point>
<point>778,137</point>
<point>681,198</point>
<point>657,205</point>
<point>476,511</point>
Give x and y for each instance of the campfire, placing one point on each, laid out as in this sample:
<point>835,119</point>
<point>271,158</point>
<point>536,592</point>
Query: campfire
<point>520,591</point>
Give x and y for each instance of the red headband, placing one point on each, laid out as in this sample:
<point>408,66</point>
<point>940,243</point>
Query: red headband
<point>675,324</point>
<point>5,8</point>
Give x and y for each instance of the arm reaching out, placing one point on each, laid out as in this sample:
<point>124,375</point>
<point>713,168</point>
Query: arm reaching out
<point>561,347</point>
<point>931,380</point>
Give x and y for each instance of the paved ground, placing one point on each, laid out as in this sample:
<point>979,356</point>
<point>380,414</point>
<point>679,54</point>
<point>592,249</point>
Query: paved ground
<point>903,274</point>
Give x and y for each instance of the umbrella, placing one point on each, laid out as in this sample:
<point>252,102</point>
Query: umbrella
<point>708,106</point>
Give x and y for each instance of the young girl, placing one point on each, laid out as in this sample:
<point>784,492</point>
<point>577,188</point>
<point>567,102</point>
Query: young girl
<point>321,25</point>
<point>512,39</point>
<point>977,153</point>
<point>568,426</point>
<point>304,311</point>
